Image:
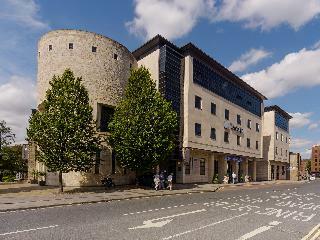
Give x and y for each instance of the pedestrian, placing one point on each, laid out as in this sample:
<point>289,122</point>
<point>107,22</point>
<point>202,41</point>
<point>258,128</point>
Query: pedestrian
<point>162,179</point>
<point>169,179</point>
<point>234,176</point>
<point>156,180</point>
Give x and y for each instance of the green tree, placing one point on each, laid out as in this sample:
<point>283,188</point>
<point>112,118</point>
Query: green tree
<point>6,138</point>
<point>143,129</point>
<point>12,159</point>
<point>308,166</point>
<point>63,128</point>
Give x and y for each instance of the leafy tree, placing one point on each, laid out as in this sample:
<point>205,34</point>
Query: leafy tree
<point>308,166</point>
<point>12,159</point>
<point>63,128</point>
<point>143,129</point>
<point>6,135</point>
<point>6,138</point>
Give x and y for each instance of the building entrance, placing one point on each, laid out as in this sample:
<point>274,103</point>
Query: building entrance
<point>278,172</point>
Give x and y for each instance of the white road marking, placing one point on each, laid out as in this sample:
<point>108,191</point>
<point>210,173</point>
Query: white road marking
<point>259,230</point>
<point>312,232</point>
<point>28,230</point>
<point>316,236</point>
<point>197,229</point>
<point>156,223</point>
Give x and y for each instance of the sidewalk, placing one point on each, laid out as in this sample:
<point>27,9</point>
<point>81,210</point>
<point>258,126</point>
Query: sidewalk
<point>26,196</point>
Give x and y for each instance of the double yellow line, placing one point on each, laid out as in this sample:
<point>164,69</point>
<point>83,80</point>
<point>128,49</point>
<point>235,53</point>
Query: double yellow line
<point>314,234</point>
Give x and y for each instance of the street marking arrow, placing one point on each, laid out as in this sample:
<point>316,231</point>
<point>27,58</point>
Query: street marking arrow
<point>156,223</point>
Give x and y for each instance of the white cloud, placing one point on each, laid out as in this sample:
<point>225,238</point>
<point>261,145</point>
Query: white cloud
<point>170,18</point>
<point>297,143</point>
<point>176,18</point>
<point>313,126</point>
<point>22,12</point>
<point>300,119</point>
<point>316,45</point>
<point>295,70</point>
<point>17,97</point>
<point>248,59</point>
<point>267,14</point>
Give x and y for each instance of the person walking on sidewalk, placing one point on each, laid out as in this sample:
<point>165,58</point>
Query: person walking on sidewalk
<point>169,179</point>
<point>234,176</point>
<point>156,180</point>
<point>162,179</point>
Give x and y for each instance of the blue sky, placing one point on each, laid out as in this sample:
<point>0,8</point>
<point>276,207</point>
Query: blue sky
<point>273,45</point>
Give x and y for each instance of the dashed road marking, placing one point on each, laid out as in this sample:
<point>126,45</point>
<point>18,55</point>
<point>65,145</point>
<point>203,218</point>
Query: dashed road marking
<point>28,230</point>
<point>158,209</point>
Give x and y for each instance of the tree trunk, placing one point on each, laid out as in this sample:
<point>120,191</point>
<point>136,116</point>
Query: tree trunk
<point>60,182</point>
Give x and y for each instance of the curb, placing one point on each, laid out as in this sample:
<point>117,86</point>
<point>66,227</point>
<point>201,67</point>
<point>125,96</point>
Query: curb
<point>104,200</point>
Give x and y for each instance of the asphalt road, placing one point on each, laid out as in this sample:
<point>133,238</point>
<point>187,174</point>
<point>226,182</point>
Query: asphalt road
<point>266,212</point>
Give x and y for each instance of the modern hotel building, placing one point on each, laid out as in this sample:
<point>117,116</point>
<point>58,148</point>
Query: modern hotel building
<point>221,115</point>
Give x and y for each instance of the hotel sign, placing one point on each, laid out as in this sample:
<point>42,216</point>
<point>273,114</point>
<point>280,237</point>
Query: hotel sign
<point>229,125</point>
<point>233,158</point>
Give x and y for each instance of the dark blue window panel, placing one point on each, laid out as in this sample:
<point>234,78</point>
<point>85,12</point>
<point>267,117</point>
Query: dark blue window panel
<point>281,122</point>
<point>206,77</point>
<point>169,76</point>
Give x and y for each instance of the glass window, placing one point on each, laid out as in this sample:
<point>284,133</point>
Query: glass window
<point>283,170</point>
<point>94,49</point>
<point>213,134</point>
<point>249,124</point>
<point>286,139</point>
<point>97,163</point>
<point>115,56</point>
<point>277,135</point>
<point>50,47</point>
<point>238,119</point>
<point>113,162</point>
<point>257,145</point>
<point>70,45</point>
<point>276,150</point>
<point>106,115</point>
<point>286,153</point>
<point>205,76</point>
<point>226,114</point>
<point>198,102</point>
<point>187,168</point>
<point>226,137</point>
<point>281,137</point>
<point>248,142</point>
<point>213,108</point>
<point>197,129</point>
<point>238,140</point>
<point>202,167</point>
<point>257,127</point>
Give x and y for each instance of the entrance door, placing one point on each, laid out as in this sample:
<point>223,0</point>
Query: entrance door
<point>230,170</point>
<point>278,172</point>
<point>272,172</point>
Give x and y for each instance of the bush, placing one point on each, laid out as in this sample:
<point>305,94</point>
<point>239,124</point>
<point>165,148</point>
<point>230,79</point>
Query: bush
<point>215,179</point>
<point>8,177</point>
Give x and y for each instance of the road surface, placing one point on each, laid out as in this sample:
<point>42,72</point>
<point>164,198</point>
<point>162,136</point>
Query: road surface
<point>259,213</point>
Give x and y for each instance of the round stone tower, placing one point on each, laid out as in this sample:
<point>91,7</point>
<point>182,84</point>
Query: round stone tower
<point>103,63</point>
<point>104,66</point>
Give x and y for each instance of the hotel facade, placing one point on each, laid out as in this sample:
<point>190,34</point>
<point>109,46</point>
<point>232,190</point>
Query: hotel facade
<point>221,117</point>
